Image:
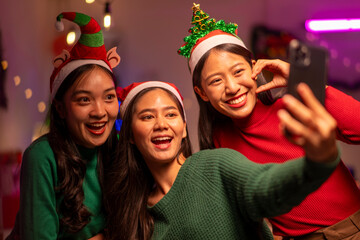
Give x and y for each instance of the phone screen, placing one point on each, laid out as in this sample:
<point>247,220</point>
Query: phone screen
<point>308,64</point>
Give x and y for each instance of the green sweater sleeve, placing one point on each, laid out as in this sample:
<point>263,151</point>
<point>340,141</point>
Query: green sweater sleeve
<point>37,217</point>
<point>267,190</point>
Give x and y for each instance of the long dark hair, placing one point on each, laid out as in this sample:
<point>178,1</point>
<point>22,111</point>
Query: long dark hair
<point>128,183</point>
<point>209,117</point>
<point>71,167</point>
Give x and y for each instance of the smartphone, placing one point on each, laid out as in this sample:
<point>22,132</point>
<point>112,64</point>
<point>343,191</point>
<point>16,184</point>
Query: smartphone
<point>308,64</point>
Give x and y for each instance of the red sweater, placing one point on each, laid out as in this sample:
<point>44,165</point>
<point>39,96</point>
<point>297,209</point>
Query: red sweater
<point>258,137</point>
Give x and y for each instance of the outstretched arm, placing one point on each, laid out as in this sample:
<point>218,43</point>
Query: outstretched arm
<point>273,189</point>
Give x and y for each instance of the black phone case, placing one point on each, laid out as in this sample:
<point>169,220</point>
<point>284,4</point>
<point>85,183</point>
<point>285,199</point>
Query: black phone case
<point>308,64</point>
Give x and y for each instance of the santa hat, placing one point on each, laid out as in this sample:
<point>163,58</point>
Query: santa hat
<point>89,49</point>
<point>128,93</point>
<point>205,35</point>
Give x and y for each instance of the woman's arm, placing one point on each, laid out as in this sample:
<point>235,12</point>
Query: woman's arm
<point>37,215</point>
<point>273,189</point>
<point>345,109</point>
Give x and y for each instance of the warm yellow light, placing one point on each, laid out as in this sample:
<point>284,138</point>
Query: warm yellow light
<point>28,93</point>
<point>41,106</point>
<point>107,20</point>
<point>89,1</point>
<point>70,38</point>
<point>17,80</point>
<point>4,64</point>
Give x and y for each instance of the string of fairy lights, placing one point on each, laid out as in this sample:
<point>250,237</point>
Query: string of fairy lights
<point>28,93</point>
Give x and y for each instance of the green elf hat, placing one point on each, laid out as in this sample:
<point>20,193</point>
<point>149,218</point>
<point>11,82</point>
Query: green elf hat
<point>89,49</point>
<point>206,34</point>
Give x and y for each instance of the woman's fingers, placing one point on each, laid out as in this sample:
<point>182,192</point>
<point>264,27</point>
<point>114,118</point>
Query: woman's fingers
<point>271,85</point>
<point>275,66</point>
<point>290,128</point>
<point>311,101</point>
<point>280,70</point>
<point>299,111</point>
<point>324,118</point>
<point>298,131</point>
<point>309,125</point>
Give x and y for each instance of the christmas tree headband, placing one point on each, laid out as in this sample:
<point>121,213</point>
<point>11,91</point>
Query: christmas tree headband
<point>206,34</point>
<point>128,93</point>
<point>89,49</point>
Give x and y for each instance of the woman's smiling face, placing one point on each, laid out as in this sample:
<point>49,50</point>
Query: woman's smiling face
<point>227,84</point>
<point>158,127</point>
<point>90,108</point>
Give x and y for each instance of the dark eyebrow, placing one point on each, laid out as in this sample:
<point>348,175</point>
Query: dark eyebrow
<point>88,92</point>
<point>109,89</point>
<point>79,92</point>
<point>240,64</point>
<point>232,67</point>
<point>153,110</point>
<point>210,76</point>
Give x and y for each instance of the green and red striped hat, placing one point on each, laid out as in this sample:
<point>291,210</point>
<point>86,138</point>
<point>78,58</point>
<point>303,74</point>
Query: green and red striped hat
<point>89,49</point>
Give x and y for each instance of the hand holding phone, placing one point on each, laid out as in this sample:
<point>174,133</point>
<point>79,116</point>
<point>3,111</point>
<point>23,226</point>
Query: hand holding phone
<point>309,125</point>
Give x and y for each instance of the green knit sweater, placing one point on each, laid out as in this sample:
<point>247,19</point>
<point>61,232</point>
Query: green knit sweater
<point>219,194</point>
<point>38,217</point>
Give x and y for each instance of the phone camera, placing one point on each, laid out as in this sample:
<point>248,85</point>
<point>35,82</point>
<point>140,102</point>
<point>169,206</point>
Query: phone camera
<point>301,53</point>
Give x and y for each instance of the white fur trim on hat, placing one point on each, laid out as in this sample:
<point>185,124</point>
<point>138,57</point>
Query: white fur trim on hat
<point>71,66</point>
<point>208,44</point>
<point>133,92</point>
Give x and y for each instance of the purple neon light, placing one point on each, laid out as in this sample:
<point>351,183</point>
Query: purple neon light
<point>328,25</point>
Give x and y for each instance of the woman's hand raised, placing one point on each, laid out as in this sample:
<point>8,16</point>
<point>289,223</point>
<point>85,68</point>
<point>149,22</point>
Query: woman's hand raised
<point>279,68</point>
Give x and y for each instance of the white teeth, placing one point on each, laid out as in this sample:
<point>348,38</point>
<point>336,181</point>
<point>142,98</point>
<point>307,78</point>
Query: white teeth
<point>161,139</point>
<point>97,124</point>
<point>238,100</point>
